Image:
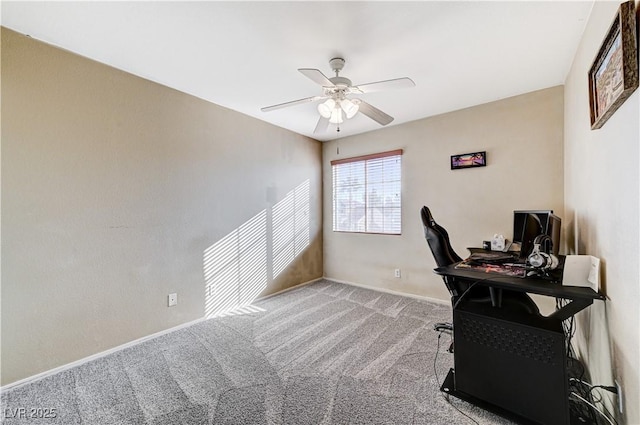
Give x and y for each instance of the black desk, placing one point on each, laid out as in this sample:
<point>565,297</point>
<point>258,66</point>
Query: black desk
<point>512,363</point>
<point>579,297</point>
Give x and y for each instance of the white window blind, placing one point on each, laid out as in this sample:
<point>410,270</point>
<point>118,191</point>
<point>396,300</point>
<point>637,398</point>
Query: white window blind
<point>367,193</point>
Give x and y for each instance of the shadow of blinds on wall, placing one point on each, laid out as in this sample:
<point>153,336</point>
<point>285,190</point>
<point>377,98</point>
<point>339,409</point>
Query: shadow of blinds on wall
<point>290,222</point>
<point>367,193</point>
<point>235,267</point>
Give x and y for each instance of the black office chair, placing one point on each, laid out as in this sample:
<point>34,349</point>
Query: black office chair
<point>444,255</point>
<point>438,240</point>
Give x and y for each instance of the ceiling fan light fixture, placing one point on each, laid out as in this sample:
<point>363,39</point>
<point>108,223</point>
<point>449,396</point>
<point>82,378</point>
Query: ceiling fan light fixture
<point>336,116</point>
<point>349,108</point>
<point>327,108</point>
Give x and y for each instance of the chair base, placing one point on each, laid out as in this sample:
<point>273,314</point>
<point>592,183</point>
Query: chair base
<point>443,326</point>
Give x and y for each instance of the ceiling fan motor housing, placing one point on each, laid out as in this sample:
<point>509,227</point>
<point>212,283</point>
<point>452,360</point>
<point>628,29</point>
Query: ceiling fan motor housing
<point>341,82</point>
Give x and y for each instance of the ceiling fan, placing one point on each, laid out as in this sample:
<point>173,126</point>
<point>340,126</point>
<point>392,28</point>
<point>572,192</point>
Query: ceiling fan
<point>338,105</point>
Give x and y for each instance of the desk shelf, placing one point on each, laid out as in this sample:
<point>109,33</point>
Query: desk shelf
<point>532,285</point>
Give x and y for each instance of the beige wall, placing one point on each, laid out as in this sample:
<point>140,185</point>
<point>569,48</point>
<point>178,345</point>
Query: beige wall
<point>117,191</point>
<point>602,202</point>
<point>523,139</point>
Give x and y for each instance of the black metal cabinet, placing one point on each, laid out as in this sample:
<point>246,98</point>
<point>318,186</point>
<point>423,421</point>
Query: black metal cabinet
<point>513,363</point>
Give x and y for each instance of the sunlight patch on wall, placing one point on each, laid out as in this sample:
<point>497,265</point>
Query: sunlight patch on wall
<point>235,267</point>
<point>290,219</point>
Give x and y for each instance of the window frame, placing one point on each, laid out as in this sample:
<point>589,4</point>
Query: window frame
<point>364,158</point>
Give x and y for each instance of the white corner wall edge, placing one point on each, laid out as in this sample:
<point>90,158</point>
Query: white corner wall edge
<point>105,353</point>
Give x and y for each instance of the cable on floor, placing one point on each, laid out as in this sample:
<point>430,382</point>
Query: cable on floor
<point>446,396</point>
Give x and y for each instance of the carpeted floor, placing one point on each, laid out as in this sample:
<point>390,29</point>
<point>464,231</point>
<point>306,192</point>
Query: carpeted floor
<point>324,353</point>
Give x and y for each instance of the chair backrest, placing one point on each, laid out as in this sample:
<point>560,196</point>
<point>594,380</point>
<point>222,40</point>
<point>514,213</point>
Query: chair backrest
<point>438,240</point>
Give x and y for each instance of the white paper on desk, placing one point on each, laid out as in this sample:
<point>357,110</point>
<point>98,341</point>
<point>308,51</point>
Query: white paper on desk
<point>581,270</point>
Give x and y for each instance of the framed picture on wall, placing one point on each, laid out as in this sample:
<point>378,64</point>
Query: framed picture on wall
<point>468,160</point>
<point>614,73</point>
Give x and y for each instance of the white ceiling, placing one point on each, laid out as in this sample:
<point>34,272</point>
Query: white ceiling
<point>245,55</point>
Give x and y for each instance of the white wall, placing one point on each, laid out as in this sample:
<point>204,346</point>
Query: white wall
<point>523,139</point>
<point>602,198</point>
<point>117,191</point>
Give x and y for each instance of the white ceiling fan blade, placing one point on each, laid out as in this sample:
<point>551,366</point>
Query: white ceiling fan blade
<point>397,83</point>
<point>292,103</point>
<point>321,127</point>
<point>316,76</point>
<point>372,112</point>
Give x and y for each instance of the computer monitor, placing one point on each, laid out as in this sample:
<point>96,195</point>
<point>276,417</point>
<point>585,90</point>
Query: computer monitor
<point>531,228</point>
<point>523,228</point>
<point>553,230</point>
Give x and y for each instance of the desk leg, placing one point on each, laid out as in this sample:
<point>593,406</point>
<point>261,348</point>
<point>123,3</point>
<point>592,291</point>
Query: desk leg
<point>570,309</point>
<point>449,384</point>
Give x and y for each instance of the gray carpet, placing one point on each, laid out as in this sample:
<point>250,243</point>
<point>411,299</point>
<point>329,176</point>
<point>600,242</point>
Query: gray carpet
<point>325,353</point>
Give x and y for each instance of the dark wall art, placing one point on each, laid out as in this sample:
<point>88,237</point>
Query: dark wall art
<point>468,160</point>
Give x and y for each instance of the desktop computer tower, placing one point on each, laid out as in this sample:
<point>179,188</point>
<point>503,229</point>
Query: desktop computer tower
<point>514,362</point>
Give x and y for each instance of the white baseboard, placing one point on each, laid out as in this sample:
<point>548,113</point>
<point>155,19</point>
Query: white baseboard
<point>101,354</point>
<point>391,291</point>
<point>96,356</point>
<point>299,285</point>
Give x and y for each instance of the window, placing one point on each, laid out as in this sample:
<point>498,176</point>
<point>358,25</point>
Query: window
<point>366,193</point>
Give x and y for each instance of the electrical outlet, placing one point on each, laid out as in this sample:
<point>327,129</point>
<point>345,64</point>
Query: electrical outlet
<point>619,388</point>
<point>397,273</point>
<point>173,299</point>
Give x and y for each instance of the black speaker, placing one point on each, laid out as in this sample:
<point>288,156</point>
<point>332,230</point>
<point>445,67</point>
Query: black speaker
<point>512,361</point>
